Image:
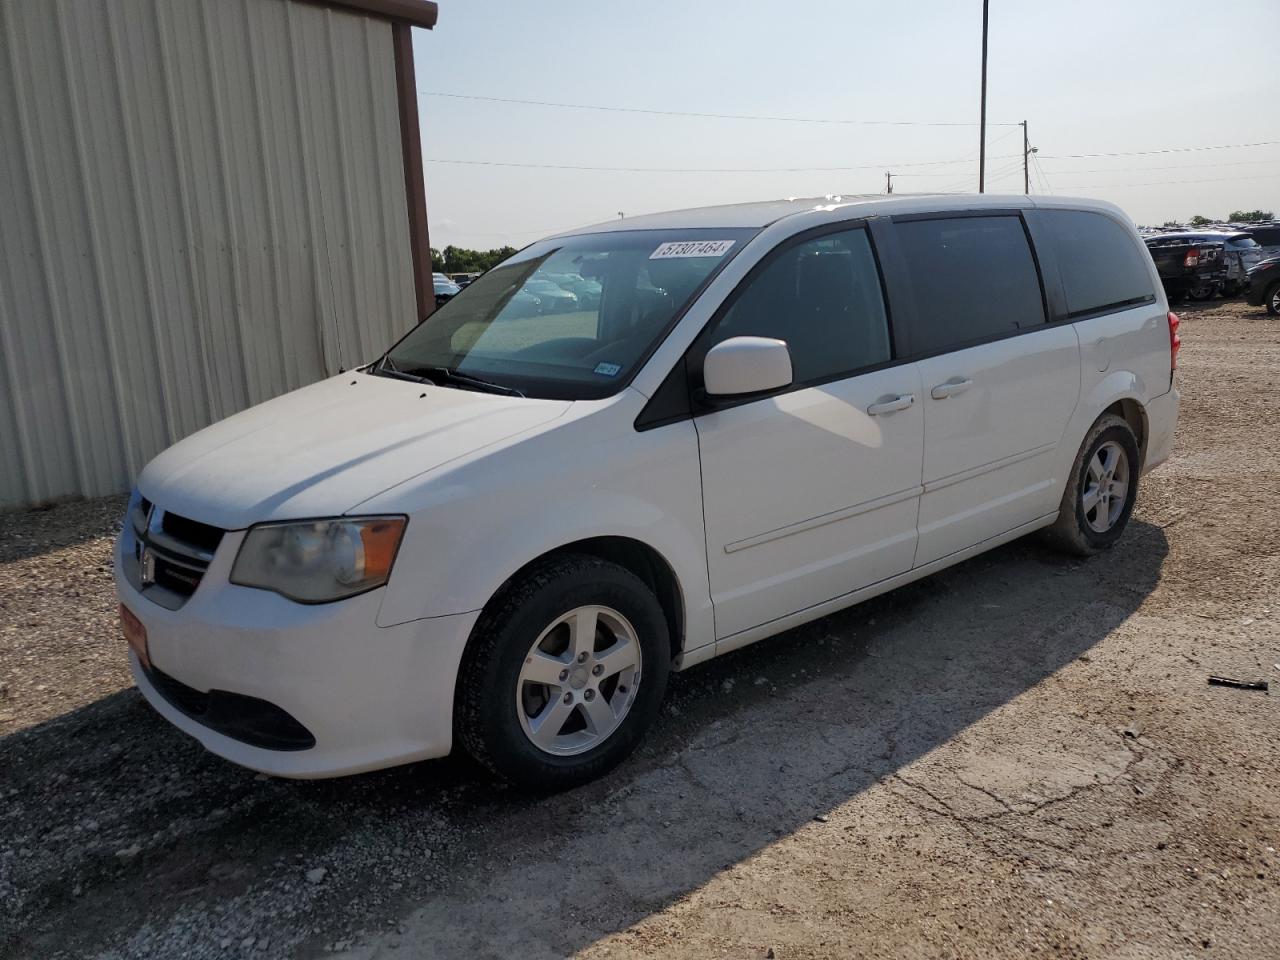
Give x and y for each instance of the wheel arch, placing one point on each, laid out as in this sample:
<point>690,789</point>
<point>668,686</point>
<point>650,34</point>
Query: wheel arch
<point>633,555</point>
<point>1135,414</point>
<point>1119,393</point>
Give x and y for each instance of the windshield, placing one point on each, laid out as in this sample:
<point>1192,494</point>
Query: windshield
<point>571,318</point>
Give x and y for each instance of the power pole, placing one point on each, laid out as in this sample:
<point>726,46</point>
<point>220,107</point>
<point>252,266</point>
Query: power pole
<point>982,125</point>
<point>888,182</point>
<point>1026,160</point>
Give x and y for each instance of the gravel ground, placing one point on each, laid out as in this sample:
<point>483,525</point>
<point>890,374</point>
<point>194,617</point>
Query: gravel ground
<point>1019,756</point>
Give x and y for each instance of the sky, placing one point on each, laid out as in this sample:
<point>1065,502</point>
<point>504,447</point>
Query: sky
<point>1090,77</point>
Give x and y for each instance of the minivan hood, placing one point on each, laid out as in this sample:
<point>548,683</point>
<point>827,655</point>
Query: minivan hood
<point>321,450</point>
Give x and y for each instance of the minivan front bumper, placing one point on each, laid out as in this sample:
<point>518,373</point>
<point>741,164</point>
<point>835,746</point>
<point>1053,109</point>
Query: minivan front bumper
<point>369,696</point>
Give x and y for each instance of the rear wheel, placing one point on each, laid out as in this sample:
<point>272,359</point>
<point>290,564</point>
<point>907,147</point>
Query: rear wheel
<point>1101,490</point>
<point>1273,299</point>
<point>564,673</point>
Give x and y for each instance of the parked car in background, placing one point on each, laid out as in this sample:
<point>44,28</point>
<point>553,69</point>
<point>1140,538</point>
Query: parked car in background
<point>1240,253</point>
<point>504,535</point>
<point>445,288</point>
<point>587,291</point>
<point>555,299</point>
<point>522,304</point>
<point>1187,268</point>
<point>1267,237</point>
<point>1264,286</point>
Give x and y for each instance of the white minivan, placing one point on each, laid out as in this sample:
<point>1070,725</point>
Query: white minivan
<point>508,529</point>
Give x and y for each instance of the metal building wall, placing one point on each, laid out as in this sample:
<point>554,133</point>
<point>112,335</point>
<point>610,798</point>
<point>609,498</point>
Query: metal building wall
<point>202,205</point>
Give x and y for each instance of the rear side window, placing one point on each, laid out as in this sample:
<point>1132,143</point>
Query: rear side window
<point>822,296</point>
<point>1101,267</point>
<point>973,278</point>
<point>1266,236</point>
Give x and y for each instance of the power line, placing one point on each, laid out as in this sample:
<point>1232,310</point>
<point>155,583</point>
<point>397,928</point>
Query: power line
<point>707,116</point>
<point>1039,169</point>
<point>993,175</point>
<point>967,158</point>
<point>956,185</point>
<point>1183,166</point>
<point>1166,183</point>
<point>1144,153</point>
<point>967,181</point>
<point>564,166</point>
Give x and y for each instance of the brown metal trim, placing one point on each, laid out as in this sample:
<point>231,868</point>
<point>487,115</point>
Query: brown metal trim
<point>414,182</point>
<point>417,13</point>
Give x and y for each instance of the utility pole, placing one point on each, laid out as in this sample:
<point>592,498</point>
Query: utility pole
<point>1026,160</point>
<point>982,125</point>
<point>1027,151</point>
<point>888,182</point>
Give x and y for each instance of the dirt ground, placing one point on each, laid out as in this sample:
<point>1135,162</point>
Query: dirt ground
<point>1018,757</point>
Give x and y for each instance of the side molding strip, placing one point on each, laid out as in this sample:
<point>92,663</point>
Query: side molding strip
<point>821,521</point>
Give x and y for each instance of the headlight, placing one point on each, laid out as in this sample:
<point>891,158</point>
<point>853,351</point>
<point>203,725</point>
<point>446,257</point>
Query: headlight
<point>317,561</point>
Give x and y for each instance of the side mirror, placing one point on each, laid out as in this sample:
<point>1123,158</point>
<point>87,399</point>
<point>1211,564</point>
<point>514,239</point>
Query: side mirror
<point>745,365</point>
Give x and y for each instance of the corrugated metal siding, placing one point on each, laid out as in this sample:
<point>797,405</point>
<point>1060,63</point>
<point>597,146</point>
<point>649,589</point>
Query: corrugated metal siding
<point>202,206</point>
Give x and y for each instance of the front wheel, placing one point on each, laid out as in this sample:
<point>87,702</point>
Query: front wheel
<point>1273,300</point>
<point>564,673</point>
<point>1101,490</point>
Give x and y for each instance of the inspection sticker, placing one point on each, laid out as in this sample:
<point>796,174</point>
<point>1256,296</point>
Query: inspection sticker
<point>691,248</point>
<point>608,369</point>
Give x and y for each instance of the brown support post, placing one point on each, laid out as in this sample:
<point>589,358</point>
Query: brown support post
<point>414,181</point>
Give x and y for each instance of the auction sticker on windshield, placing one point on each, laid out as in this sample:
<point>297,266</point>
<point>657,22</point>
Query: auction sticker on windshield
<point>691,248</point>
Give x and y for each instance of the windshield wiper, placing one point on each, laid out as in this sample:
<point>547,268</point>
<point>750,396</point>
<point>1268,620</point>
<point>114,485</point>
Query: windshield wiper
<point>385,368</point>
<point>435,376</point>
<point>465,380</point>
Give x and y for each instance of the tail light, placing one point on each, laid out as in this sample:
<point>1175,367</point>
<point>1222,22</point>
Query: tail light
<point>1175,341</point>
<point>1192,258</point>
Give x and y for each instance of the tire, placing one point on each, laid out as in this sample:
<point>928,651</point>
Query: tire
<point>1082,530</point>
<point>1200,291</point>
<point>522,661</point>
<point>1272,300</point>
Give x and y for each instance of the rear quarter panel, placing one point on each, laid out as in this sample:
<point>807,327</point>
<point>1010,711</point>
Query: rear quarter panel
<point>1124,355</point>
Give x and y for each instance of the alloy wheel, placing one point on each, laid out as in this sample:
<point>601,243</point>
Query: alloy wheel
<point>1106,487</point>
<point>578,681</point>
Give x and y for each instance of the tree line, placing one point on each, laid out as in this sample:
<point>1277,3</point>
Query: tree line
<point>1237,216</point>
<point>460,260</point>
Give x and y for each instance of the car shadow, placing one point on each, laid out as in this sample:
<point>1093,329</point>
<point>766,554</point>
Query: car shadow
<point>127,835</point>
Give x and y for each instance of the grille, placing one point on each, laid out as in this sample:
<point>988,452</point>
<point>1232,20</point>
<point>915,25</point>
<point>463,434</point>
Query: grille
<point>171,553</point>
<point>250,720</point>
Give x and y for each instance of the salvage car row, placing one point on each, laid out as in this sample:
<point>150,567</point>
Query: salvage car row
<point>553,293</point>
<point>1201,264</point>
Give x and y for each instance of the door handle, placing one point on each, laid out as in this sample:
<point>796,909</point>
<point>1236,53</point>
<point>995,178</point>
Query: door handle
<point>892,405</point>
<point>952,387</point>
